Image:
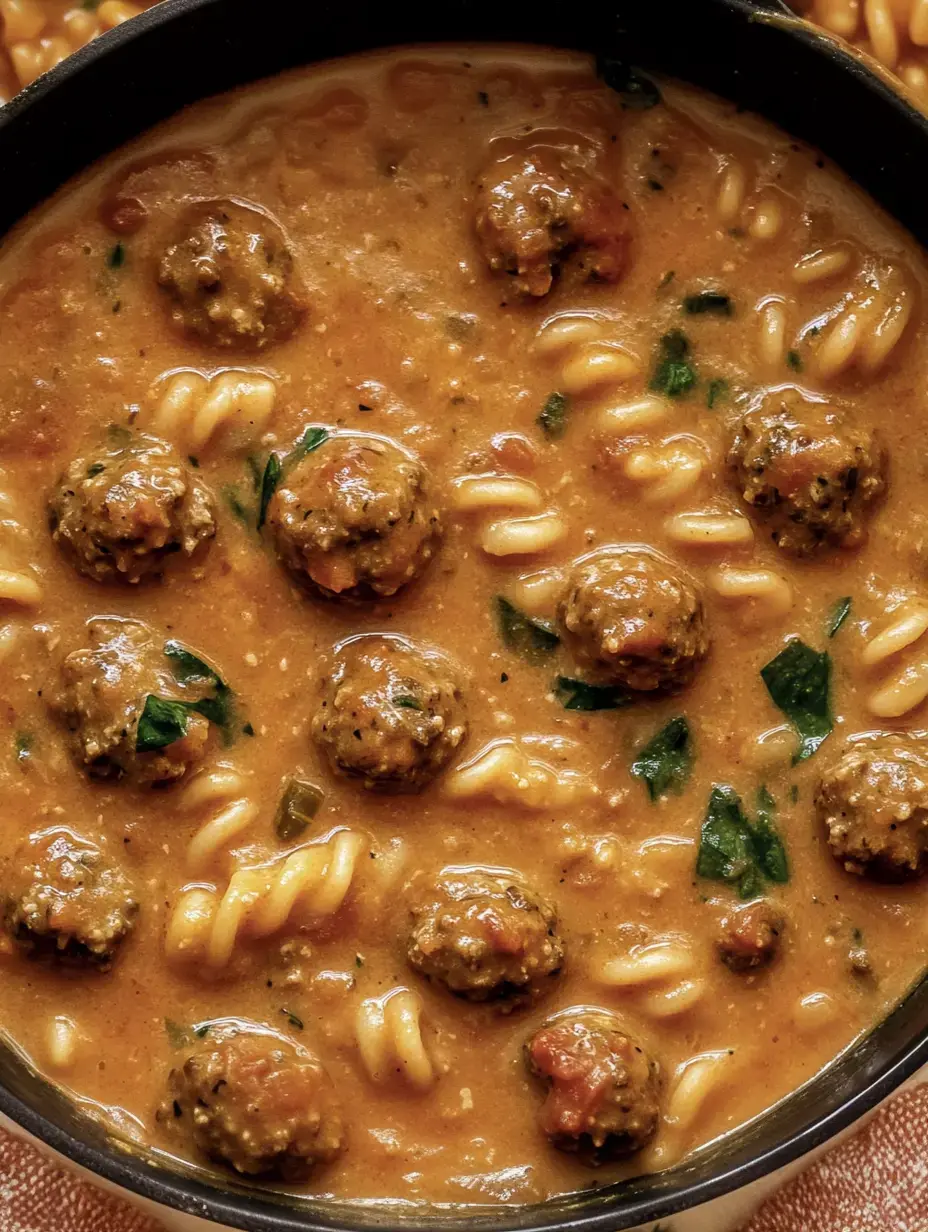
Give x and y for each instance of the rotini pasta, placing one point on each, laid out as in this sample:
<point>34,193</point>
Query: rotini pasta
<point>707,529</point>
<point>222,791</point>
<point>309,884</point>
<point>666,472</point>
<point>624,419</point>
<point>908,624</point>
<point>772,345</point>
<point>864,328</point>
<point>480,492</point>
<point>390,1041</point>
<point>537,593</point>
<point>19,584</point>
<point>527,536</point>
<point>506,771</point>
<point>192,409</point>
<point>768,594</point>
<point>62,1042</point>
<point>758,211</point>
<point>908,686</point>
<point>664,976</point>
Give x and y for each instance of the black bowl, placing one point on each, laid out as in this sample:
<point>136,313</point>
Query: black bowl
<point>751,53</point>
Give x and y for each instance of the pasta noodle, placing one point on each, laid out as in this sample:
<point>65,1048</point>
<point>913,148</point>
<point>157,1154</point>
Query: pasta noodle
<point>908,624</point>
<point>192,408</point>
<point>902,694</point>
<point>630,418</point>
<point>666,472</point>
<point>389,1034</point>
<point>36,41</point>
<point>309,884</point>
<point>895,32</point>
<point>769,594</point>
<point>18,585</point>
<point>821,264</point>
<point>565,332</point>
<point>222,789</point>
<point>524,536</point>
<point>506,771</point>
<point>864,329</point>
<point>477,492</point>
<point>61,1042</point>
<point>669,964</point>
<point>694,1081</point>
<point>709,530</point>
<point>537,593</point>
<point>763,218</point>
<point>772,341</point>
<point>597,364</point>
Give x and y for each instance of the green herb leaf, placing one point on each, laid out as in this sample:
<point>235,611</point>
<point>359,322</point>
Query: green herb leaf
<point>309,442</point>
<point>534,640</point>
<point>838,615</point>
<point>116,257</point>
<point>718,389</point>
<point>201,1030</point>
<point>673,374</point>
<point>799,682</point>
<point>553,417</point>
<point>708,301</point>
<point>23,744</point>
<point>665,762</point>
<point>794,360</point>
<point>178,1036</point>
<point>240,510</point>
<point>638,93</point>
<point>406,701</point>
<point>299,804</point>
<point>271,478</point>
<point>188,667</point>
<point>578,695</point>
<point>95,468</point>
<point>293,1019</point>
<point>771,852</point>
<point>160,724</point>
<point>666,280</point>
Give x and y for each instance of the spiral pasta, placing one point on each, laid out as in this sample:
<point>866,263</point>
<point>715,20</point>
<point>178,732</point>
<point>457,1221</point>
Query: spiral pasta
<point>389,1035</point>
<point>36,42</point>
<point>667,471</point>
<point>664,976</point>
<point>755,209</point>
<point>895,32</point>
<point>19,584</point>
<point>907,686</point>
<point>864,328</point>
<point>309,884</point>
<point>767,595</point>
<point>191,409</point>
<point>221,792</point>
<point>506,771</point>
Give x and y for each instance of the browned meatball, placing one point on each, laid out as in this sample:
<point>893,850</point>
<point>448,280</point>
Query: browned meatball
<point>486,937</point>
<point>125,511</point>
<point>104,687</point>
<point>873,803</point>
<point>391,714</point>
<point>750,936</point>
<point>230,277</point>
<point>257,1103</point>
<point>63,899</point>
<point>355,519</point>
<point>808,472</point>
<point>636,619</point>
<point>536,213</point>
<point>603,1088</point>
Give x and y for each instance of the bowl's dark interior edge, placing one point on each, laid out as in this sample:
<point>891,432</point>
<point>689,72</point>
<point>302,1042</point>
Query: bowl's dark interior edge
<point>183,50</point>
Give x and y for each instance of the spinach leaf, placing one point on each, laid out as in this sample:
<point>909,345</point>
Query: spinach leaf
<point>718,389</point>
<point>406,701</point>
<point>799,682</point>
<point>708,301</point>
<point>178,1036</point>
<point>733,850</point>
<point>794,360</point>
<point>274,469</point>
<point>269,481</point>
<point>160,724</point>
<point>673,374</point>
<point>578,695</point>
<point>299,804</point>
<point>239,509</point>
<point>116,257</point>
<point>534,640</point>
<point>553,417</point>
<point>187,666</point>
<point>219,709</point>
<point>310,441</point>
<point>293,1019</point>
<point>23,744</point>
<point>664,763</point>
<point>838,615</point>
<point>638,93</point>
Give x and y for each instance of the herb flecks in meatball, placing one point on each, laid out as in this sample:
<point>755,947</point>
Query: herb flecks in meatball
<point>127,510</point>
<point>391,714</point>
<point>873,803</point>
<point>749,936</point>
<point>230,277</point>
<point>636,620</point>
<point>104,687</point>
<point>65,900</point>
<point>537,213</point>
<point>256,1103</point>
<point>808,472</point>
<point>485,936</point>
<point>603,1088</point>
<point>355,518</point>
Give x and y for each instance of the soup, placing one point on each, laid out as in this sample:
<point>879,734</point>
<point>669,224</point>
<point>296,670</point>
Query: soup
<point>463,627</point>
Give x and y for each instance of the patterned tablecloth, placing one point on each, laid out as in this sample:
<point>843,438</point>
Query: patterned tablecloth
<point>875,1181</point>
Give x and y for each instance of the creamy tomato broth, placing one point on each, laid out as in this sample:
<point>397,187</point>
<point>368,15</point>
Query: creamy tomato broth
<point>462,544</point>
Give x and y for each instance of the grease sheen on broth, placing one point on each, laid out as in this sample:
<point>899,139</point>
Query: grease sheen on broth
<point>635,437</point>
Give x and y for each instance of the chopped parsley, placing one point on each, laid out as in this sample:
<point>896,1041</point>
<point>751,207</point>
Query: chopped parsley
<point>95,468</point>
<point>708,302</point>
<point>534,640</point>
<point>673,375</point>
<point>294,1019</point>
<point>23,744</point>
<point>666,280</point>
<point>735,850</point>
<point>178,1036</point>
<point>799,683</point>
<point>553,417</point>
<point>164,720</point>
<point>794,360</point>
<point>406,701</point>
<point>578,695</point>
<point>274,468</point>
<point>838,615</point>
<point>116,257</point>
<point>664,763</point>
<point>718,389</point>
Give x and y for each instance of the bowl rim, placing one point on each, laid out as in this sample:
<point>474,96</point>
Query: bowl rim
<point>251,1208</point>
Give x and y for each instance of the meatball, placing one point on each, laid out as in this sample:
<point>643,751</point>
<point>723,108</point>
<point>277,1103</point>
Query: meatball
<point>104,689</point>
<point>750,936</point>
<point>121,513</point>
<point>230,276</point>
<point>257,1103</point>
<point>391,714</point>
<point>354,518</point>
<point>535,213</point>
<point>64,900</point>
<point>807,472</point>
<point>486,937</point>
<point>873,803</point>
<point>636,620</point>
<point>603,1088</point>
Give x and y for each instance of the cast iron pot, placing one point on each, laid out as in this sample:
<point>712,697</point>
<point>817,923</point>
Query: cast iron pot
<point>184,50</point>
